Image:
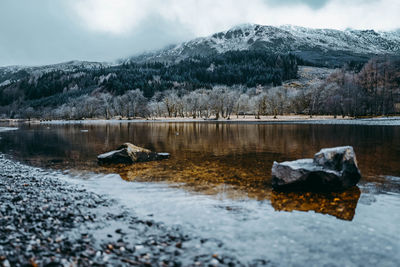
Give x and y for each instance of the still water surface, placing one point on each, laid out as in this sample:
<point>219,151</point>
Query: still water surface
<point>217,184</point>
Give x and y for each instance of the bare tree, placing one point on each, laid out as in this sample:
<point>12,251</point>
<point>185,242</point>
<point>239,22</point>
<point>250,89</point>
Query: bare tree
<point>170,100</point>
<point>242,105</point>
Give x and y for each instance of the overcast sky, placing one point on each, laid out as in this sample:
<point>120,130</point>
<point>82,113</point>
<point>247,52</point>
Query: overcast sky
<point>35,32</point>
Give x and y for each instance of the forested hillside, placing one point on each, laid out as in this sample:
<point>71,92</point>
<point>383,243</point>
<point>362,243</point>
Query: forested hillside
<point>49,89</point>
<point>249,68</point>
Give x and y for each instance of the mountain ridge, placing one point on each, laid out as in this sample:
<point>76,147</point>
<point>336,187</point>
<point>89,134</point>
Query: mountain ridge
<point>319,46</point>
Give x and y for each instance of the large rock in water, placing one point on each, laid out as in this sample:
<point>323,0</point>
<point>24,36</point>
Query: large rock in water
<point>332,169</point>
<point>128,154</point>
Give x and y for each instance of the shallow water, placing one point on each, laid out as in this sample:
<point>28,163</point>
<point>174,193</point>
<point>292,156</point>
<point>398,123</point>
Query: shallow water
<point>217,184</point>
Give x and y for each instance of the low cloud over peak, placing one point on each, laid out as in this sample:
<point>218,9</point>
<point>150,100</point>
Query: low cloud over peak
<point>45,31</point>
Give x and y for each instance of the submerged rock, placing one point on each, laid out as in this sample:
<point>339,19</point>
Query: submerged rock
<point>129,153</point>
<point>332,169</point>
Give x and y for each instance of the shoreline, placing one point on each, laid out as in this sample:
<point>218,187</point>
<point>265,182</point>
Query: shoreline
<point>285,119</point>
<point>47,220</point>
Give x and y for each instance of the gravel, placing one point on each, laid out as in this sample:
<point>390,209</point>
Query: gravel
<point>47,221</point>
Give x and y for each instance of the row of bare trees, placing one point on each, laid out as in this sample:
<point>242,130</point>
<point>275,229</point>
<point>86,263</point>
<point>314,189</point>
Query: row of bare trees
<point>373,91</point>
<point>219,102</point>
<point>103,105</point>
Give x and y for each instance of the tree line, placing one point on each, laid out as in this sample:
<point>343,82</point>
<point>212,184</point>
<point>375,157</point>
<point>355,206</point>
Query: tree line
<point>370,90</point>
<point>373,91</point>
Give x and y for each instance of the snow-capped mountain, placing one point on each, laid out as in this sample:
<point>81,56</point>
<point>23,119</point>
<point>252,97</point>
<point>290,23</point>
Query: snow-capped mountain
<point>315,45</point>
<point>326,47</point>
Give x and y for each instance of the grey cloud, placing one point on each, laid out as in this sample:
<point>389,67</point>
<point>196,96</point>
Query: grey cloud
<point>42,32</point>
<point>315,4</point>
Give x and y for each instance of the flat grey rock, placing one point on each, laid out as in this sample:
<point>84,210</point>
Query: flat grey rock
<point>128,154</point>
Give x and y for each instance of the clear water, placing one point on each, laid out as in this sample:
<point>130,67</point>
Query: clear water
<point>216,185</point>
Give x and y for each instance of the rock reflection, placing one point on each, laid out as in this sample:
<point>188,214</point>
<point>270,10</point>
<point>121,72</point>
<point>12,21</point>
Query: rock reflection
<point>342,205</point>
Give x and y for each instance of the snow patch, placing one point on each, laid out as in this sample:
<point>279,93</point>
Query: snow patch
<point>6,129</point>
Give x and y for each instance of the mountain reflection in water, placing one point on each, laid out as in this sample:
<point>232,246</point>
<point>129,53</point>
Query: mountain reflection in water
<point>225,160</point>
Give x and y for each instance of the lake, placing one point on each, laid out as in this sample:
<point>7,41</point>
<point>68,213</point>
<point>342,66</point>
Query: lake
<point>217,184</point>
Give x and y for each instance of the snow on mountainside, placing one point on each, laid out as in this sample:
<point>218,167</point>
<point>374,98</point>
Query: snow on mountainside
<point>66,66</point>
<point>315,45</point>
<point>9,74</point>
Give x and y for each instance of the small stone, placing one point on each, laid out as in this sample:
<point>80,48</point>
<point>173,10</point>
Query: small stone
<point>214,262</point>
<point>6,263</point>
<point>139,247</point>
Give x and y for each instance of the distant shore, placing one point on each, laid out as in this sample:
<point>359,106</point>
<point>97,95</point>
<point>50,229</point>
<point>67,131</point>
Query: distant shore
<point>301,119</point>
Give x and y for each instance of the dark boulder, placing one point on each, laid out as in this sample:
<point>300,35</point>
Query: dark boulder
<point>332,169</point>
<point>128,154</point>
